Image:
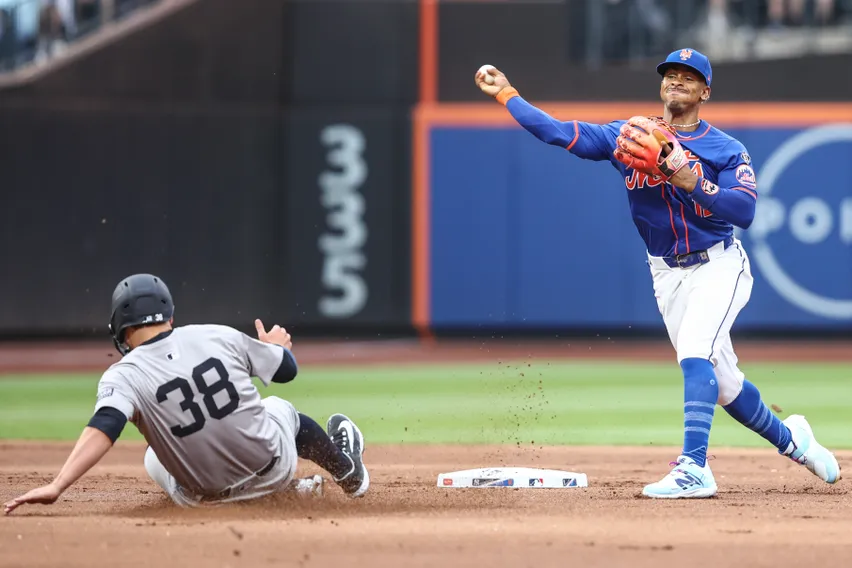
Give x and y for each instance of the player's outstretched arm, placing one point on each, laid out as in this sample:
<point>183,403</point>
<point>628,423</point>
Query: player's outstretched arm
<point>92,446</point>
<point>494,83</point>
<point>588,141</point>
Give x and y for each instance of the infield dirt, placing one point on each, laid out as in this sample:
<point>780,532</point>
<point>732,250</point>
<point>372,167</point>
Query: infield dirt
<point>769,511</point>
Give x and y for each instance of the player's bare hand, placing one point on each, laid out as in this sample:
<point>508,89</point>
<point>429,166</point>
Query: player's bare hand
<point>43,495</point>
<point>277,335</point>
<point>491,80</point>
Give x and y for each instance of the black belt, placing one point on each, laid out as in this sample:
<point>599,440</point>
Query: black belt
<point>224,494</point>
<point>692,258</point>
<point>267,468</point>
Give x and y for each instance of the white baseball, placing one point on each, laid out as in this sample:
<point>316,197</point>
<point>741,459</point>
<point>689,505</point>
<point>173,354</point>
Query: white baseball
<point>489,80</point>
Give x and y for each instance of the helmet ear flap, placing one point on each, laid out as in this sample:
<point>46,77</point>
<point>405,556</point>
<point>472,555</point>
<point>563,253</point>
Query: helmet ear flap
<point>117,336</point>
<point>120,347</point>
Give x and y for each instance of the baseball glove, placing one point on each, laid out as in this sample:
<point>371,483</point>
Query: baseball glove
<point>649,144</point>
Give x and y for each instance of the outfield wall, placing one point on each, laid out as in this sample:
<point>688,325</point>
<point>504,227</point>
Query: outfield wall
<point>254,154</point>
<point>303,162</point>
<point>518,234</point>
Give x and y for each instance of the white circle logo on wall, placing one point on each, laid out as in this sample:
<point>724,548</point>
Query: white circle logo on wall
<point>810,220</point>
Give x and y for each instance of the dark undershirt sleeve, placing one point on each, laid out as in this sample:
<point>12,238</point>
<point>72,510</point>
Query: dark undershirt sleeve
<point>110,421</point>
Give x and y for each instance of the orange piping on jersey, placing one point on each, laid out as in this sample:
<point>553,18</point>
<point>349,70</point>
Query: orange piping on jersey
<point>750,192</point>
<point>576,136</point>
<point>685,227</point>
<point>671,217</point>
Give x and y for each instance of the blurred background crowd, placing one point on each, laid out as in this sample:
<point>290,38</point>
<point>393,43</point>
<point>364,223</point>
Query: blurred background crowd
<point>724,29</point>
<point>33,31</point>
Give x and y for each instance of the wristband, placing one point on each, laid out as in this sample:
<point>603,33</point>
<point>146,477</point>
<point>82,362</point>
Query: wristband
<point>506,94</point>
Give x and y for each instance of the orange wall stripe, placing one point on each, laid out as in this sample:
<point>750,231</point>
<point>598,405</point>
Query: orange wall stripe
<point>421,234</point>
<point>428,51</point>
<point>720,114</point>
<point>420,199</point>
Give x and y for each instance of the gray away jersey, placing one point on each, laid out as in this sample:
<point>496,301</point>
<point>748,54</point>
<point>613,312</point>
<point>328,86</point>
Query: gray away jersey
<point>190,395</point>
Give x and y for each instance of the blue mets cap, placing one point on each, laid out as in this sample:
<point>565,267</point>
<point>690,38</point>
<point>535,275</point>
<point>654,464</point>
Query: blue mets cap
<point>690,58</point>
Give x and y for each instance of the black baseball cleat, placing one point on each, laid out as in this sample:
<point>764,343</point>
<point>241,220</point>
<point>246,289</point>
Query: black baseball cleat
<point>346,436</point>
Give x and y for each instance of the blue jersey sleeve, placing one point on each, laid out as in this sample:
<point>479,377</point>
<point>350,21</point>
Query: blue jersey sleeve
<point>595,141</point>
<point>583,139</point>
<point>734,197</point>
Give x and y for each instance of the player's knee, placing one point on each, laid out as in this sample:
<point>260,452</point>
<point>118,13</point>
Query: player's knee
<point>156,471</point>
<point>693,351</point>
<point>729,389</point>
<point>151,461</point>
<point>277,403</point>
<point>283,411</point>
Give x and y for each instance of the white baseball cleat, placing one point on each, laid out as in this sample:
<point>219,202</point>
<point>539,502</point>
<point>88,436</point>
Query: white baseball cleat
<point>806,451</point>
<point>687,480</point>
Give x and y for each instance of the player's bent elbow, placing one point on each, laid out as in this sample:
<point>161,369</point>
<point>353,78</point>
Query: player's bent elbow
<point>287,370</point>
<point>743,214</point>
<point>283,375</point>
<point>745,223</point>
<point>746,220</point>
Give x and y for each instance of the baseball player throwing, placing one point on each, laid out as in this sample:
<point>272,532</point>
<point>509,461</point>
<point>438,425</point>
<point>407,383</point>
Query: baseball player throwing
<point>189,392</point>
<point>688,184</point>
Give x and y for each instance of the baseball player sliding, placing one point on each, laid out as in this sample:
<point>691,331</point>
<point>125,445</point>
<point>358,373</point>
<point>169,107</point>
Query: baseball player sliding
<point>189,392</point>
<point>688,183</point>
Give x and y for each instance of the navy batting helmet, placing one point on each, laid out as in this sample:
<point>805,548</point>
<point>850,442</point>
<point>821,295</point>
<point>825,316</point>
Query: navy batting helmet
<point>141,299</point>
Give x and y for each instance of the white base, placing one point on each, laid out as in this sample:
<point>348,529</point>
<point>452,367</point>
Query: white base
<point>515,477</point>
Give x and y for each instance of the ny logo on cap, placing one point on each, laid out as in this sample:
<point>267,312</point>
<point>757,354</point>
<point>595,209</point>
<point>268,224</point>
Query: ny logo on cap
<point>685,54</point>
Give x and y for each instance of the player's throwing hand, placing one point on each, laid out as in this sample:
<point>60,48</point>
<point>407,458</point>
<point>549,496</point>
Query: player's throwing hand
<point>277,335</point>
<point>491,80</point>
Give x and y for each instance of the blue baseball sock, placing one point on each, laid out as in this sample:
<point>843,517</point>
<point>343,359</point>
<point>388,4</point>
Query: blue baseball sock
<point>700,392</point>
<point>750,411</point>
